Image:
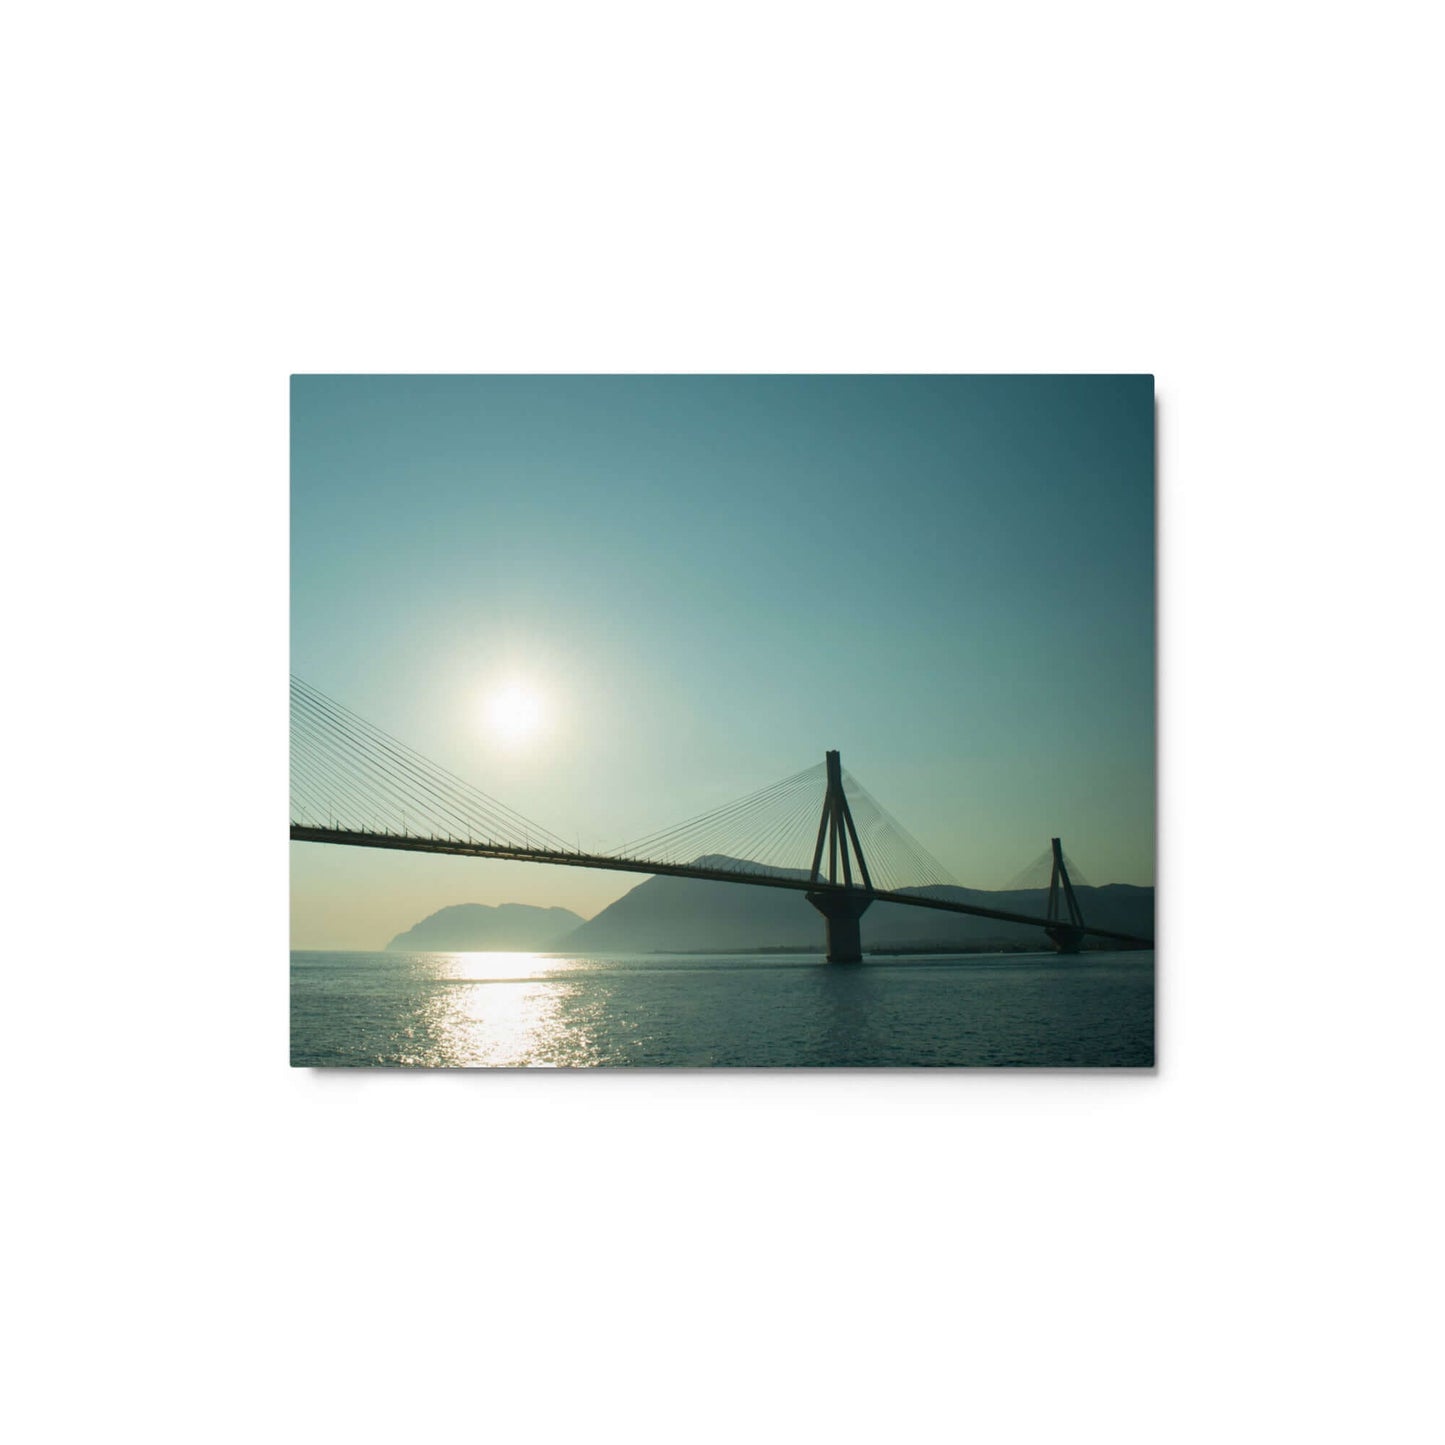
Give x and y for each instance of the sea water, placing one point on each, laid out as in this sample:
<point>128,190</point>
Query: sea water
<point>470,1010</point>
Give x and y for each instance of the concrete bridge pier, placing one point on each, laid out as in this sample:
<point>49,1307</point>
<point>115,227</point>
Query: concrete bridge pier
<point>1065,937</point>
<point>841,912</point>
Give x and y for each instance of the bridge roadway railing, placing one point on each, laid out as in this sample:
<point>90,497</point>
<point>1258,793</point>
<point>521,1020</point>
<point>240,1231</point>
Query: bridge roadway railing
<point>303,833</point>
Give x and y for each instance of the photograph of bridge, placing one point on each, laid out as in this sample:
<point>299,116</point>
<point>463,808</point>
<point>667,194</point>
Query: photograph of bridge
<point>619,602</point>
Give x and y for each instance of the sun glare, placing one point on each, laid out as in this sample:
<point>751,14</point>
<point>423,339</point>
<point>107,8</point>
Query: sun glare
<point>515,713</point>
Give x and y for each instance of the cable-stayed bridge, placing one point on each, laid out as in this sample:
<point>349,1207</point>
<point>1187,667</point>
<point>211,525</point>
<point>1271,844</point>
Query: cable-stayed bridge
<point>818,832</point>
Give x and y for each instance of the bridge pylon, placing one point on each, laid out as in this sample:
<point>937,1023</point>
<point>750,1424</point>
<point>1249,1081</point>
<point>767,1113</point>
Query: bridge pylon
<point>841,909</point>
<point>1066,918</point>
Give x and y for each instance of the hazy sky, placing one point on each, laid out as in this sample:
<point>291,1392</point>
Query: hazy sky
<point>706,582</point>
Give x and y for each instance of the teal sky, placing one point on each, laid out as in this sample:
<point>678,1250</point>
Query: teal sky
<point>708,581</point>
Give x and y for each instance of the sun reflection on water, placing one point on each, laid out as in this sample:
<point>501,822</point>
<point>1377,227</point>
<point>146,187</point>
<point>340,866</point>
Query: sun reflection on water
<point>466,967</point>
<point>500,1010</point>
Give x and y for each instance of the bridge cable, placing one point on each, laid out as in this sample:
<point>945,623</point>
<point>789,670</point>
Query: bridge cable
<point>712,828</point>
<point>377,772</point>
<point>351,747</point>
<point>708,824</point>
<point>399,774</point>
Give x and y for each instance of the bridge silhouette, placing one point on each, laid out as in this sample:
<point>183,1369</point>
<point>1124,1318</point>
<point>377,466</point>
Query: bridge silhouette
<point>354,785</point>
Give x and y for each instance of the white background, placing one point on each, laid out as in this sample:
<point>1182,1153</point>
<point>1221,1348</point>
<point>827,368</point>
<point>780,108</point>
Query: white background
<point>206,1245</point>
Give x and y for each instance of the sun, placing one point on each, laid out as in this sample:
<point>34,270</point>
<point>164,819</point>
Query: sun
<point>515,713</point>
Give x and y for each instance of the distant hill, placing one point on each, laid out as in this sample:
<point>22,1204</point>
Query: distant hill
<point>476,928</point>
<point>680,915</point>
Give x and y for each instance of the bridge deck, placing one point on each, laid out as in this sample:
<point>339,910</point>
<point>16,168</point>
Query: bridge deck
<point>567,859</point>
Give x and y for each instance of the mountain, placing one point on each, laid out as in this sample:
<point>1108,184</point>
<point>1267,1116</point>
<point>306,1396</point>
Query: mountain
<point>476,928</point>
<point>681,915</point>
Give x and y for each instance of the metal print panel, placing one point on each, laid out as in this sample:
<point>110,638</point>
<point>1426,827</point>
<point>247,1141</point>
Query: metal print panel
<point>770,721</point>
